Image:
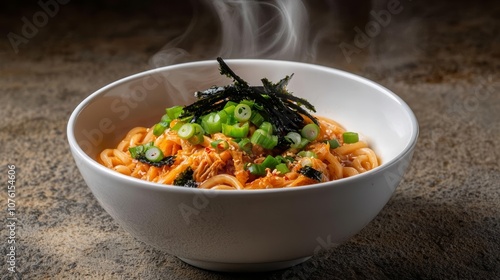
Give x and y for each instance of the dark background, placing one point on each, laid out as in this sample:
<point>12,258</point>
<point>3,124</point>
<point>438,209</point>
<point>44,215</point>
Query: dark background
<point>441,57</point>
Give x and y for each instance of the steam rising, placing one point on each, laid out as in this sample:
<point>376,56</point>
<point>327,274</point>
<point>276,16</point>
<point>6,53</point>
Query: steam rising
<point>276,29</point>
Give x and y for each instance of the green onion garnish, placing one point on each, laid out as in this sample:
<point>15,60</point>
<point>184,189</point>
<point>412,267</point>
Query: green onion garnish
<point>270,162</point>
<point>256,118</point>
<point>267,127</point>
<point>222,116</point>
<point>310,154</point>
<point>166,118</point>
<point>257,169</point>
<point>262,138</point>
<point>150,154</point>
<point>294,138</point>
<point>186,131</point>
<point>245,145</point>
<point>350,137</point>
<point>229,104</point>
<point>174,112</point>
<point>178,125</point>
<point>282,168</point>
<point>154,154</point>
<point>334,143</point>
<point>303,143</point>
<point>197,137</point>
<point>220,145</point>
<point>236,131</point>
<point>136,151</point>
<point>242,112</point>
<point>211,123</point>
<point>247,102</point>
<point>229,109</point>
<point>310,131</point>
<point>160,127</point>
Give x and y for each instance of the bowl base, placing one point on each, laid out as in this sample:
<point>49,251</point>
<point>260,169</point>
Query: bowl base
<point>243,267</point>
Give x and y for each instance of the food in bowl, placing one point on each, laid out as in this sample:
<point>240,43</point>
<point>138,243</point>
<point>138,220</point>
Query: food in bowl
<point>239,137</point>
<point>253,230</point>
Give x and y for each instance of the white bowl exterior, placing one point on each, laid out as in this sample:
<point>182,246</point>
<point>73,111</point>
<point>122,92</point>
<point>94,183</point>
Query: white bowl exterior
<point>249,226</point>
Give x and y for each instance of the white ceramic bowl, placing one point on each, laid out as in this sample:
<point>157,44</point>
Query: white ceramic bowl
<point>252,230</point>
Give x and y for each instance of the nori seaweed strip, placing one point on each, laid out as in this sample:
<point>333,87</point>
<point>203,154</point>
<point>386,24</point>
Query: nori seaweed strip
<point>283,83</point>
<point>186,179</point>
<point>311,173</point>
<point>168,160</point>
<point>225,70</point>
<point>278,87</point>
<point>278,114</point>
<point>272,101</point>
<point>206,105</point>
<point>279,91</point>
<point>289,119</point>
<point>302,111</point>
<point>209,92</point>
<point>296,99</point>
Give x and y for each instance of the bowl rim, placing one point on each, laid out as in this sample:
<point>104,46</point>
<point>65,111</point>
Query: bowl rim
<point>139,183</point>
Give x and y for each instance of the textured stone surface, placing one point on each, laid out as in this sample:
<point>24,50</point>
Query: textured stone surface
<point>442,58</point>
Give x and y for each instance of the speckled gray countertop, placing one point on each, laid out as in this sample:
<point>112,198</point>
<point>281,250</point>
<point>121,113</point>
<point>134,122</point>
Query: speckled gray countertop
<point>441,57</point>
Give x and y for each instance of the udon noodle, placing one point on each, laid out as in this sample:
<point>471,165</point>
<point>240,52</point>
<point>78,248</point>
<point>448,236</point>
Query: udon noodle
<point>227,169</point>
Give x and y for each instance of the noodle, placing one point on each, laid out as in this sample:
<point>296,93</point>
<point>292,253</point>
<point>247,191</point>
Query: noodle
<point>227,170</point>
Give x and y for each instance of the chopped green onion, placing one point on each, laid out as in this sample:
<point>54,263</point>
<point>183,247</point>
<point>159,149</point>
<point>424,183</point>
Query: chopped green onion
<point>310,154</point>
<point>197,137</point>
<point>178,125</point>
<point>166,118</point>
<point>270,162</point>
<point>258,136</point>
<point>220,145</point>
<point>310,131</point>
<point>160,127</point>
<point>186,119</point>
<point>149,144</point>
<point>303,143</point>
<point>242,112</point>
<point>229,109</point>
<point>256,118</point>
<point>174,112</point>
<point>283,159</point>
<point>257,169</point>
<point>136,151</point>
<point>154,154</point>
<point>186,131</point>
<point>222,116</point>
<point>350,137</point>
<point>334,143</point>
<point>247,102</point>
<point>282,168</point>
<point>258,106</point>
<point>229,104</point>
<point>237,130</point>
<point>267,127</point>
<point>262,138</point>
<point>245,145</point>
<point>272,143</point>
<point>294,138</point>
<point>211,123</point>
